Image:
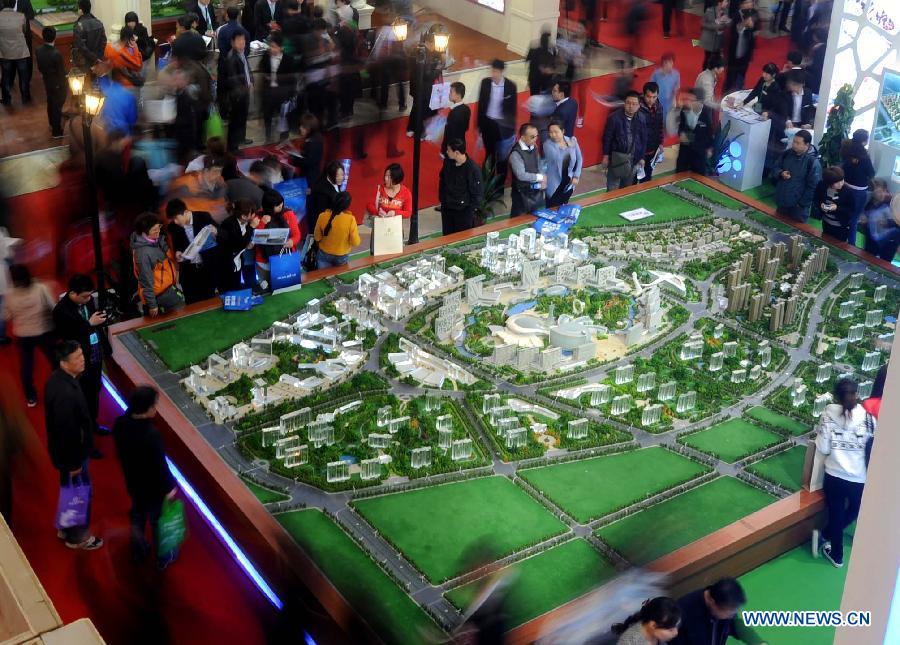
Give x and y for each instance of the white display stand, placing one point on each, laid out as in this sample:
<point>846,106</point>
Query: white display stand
<point>742,165</point>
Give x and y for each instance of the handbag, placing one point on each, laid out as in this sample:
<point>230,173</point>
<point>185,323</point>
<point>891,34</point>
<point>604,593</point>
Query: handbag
<point>310,255</point>
<point>74,502</point>
<point>171,529</point>
<point>214,126</point>
<point>813,468</point>
<point>284,270</point>
<point>387,235</point>
<point>620,165</point>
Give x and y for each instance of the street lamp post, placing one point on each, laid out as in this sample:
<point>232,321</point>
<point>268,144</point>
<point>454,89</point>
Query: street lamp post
<point>90,104</point>
<point>441,40</point>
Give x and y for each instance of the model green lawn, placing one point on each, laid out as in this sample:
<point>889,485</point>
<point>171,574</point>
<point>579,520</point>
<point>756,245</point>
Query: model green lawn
<point>711,194</point>
<point>545,581</point>
<point>665,206</point>
<point>595,487</point>
<point>191,339</point>
<point>264,495</point>
<point>439,528</point>
<point>795,581</point>
<point>670,525</point>
<point>732,440</point>
<point>784,469</point>
<point>776,420</point>
<point>379,600</point>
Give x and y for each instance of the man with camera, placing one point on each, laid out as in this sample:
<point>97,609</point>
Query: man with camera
<point>77,318</point>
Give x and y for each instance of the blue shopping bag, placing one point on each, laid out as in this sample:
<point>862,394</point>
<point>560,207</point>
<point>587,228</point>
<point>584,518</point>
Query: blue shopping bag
<point>284,271</point>
<point>294,193</point>
<point>73,505</point>
<point>240,300</point>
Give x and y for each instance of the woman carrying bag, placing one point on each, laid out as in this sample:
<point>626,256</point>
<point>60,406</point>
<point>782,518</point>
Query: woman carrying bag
<point>336,233</point>
<point>274,215</point>
<point>564,161</point>
<point>392,199</point>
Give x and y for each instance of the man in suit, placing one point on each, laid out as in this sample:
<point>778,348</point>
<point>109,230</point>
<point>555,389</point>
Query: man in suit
<point>14,54</point>
<point>497,114</point>
<point>265,12</point>
<point>239,81</point>
<point>27,9</point>
<point>196,276</point>
<point>797,107</point>
<point>278,78</point>
<point>76,318</point>
<point>566,111</point>
<point>458,117</point>
<point>740,50</point>
<point>204,10</point>
<point>53,71</point>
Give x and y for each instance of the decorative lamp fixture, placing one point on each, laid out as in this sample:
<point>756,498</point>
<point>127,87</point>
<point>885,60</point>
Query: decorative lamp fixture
<point>76,82</point>
<point>400,28</point>
<point>93,103</point>
<point>441,38</point>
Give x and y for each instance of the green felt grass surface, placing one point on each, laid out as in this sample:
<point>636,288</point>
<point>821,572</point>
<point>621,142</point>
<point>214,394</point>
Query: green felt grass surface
<point>777,420</point>
<point>594,487</point>
<point>363,584</point>
<point>666,207</point>
<point>731,440</point>
<point>711,194</point>
<point>437,527</point>
<point>785,468</point>
<point>264,495</point>
<point>765,193</point>
<point>545,581</point>
<point>189,340</point>
<point>795,581</point>
<point>670,525</point>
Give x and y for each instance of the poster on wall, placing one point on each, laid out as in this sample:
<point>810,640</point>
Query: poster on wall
<point>887,120</point>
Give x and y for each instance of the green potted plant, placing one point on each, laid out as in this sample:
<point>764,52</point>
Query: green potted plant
<point>492,195</point>
<point>837,126</point>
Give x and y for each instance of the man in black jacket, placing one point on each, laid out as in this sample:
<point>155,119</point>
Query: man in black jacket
<point>196,277</point>
<point>239,81</point>
<point>143,461</point>
<point>69,438</point>
<point>709,616</point>
<point>203,9</point>
<point>566,110</point>
<point>740,50</point>
<point>265,12</point>
<point>655,120</point>
<point>797,106</point>
<point>460,190</point>
<point>88,39</point>
<point>278,78</point>
<point>53,71</point>
<point>76,318</point>
<point>696,131</point>
<point>458,118</point>
<point>497,113</point>
<point>235,238</point>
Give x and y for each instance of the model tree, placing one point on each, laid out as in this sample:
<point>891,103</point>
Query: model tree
<point>837,126</point>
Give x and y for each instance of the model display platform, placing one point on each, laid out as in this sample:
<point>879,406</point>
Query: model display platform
<point>564,406</point>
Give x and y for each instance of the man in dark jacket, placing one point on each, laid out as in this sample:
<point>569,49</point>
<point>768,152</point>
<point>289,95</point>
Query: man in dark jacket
<point>195,276</point>
<point>88,39</point>
<point>740,50</point>
<point>203,9</point>
<point>265,12</point>
<point>696,132</point>
<point>53,71</point>
<point>566,110</point>
<point>460,190</point>
<point>235,238</point>
<point>76,318</point>
<point>224,36</point>
<point>797,107</point>
<point>143,461</point>
<point>497,113</point>
<point>278,77</point>
<point>624,143</point>
<point>652,111</point>
<point>239,81</point>
<point>69,434</point>
<point>458,117</point>
<point>709,616</point>
<point>528,182</point>
<point>796,173</point>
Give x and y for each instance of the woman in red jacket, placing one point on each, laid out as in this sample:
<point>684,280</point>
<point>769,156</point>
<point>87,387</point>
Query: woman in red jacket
<point>274,215</point>
<point>392,198</point>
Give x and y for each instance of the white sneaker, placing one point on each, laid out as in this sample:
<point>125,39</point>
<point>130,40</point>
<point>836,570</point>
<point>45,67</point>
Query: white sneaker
<point>837,564</point>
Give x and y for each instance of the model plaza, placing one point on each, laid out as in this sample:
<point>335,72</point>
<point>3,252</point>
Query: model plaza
<point>543,398</point>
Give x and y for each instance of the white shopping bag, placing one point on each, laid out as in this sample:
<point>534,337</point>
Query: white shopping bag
<point>440,96</point>
<point>387,233</point>
<point>813,468</point>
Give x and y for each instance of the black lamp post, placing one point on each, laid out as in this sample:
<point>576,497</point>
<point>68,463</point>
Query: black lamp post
<point>90,104</point>
<point>441,39</point>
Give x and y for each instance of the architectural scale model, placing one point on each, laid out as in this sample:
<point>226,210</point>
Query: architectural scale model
<point>498,381</point>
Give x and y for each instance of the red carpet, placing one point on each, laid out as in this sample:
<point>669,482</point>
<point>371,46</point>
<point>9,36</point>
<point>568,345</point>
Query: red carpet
<point>205,597</point>
<point>202,598</point>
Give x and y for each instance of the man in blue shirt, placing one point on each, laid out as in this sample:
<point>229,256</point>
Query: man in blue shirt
<point>120,110</point>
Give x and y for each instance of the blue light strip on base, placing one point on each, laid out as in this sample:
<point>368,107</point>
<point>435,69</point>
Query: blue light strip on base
<point>236,551</point>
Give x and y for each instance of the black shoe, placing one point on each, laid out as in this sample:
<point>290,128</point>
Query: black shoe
<point>96,454</point>
<point>102,431</point>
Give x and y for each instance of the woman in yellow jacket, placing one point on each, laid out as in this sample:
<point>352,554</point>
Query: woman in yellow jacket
<point>336,233</point>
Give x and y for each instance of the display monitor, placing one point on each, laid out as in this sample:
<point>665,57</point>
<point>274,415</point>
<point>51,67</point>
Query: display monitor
<point>887,121</point>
